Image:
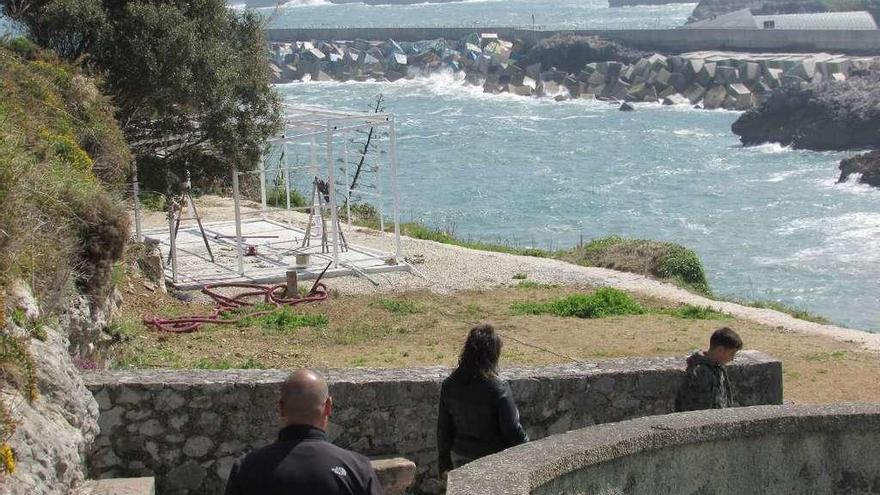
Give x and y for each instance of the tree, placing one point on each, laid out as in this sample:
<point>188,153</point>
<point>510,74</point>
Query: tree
<point>190,77</point>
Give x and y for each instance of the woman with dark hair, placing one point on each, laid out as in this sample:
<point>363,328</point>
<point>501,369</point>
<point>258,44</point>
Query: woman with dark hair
<point>477,414</point>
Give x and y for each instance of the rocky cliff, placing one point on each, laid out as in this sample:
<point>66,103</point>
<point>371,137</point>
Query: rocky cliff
<point>834,115</point>
<point>55,416</point>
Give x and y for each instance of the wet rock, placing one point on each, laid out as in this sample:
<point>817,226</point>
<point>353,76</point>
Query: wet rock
<point>833,115</point>
<point>866,165</point>
<point>626,107</point>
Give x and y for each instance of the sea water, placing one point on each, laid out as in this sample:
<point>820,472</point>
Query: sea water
<point>769,222</point>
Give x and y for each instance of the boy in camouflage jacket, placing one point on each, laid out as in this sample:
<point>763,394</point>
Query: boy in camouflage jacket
<point>706,385</point>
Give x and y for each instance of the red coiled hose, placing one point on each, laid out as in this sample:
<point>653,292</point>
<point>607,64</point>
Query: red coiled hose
<point>226,304</point>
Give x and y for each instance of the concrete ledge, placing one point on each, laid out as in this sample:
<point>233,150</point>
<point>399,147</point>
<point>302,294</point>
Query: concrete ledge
<point>187,427</point>
<point>778,449</point>
<point>395,474</point>
<point>119,486</point>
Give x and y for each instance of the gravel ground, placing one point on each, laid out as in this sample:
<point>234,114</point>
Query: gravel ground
<point>445,268</point>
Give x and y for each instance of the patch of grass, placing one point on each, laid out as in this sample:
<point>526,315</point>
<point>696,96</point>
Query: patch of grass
<point>689,312</point>
<point>801,314</point>
<point>225,364</point>
<point>531,284</point>
<point>123,330</point>
<point>285,320</point>
<point>520,276</point>
<point>823,357</point>
<point>361,332</point>
<point>399,306</point>
<point>149,358</point>
<point>602,303</point>
<point>662,260</point>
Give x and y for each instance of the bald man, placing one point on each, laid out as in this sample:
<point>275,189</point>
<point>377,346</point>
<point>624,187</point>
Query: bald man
<point>302,461</point>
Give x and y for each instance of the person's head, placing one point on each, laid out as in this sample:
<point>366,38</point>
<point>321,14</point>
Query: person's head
<point>481,352</point>
<point>723,345</point>
<point>305,400</point>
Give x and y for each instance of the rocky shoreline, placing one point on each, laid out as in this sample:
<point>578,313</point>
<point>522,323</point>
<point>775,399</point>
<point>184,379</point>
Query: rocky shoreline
<point>834,115</point>
<point>866,165</point>
<point>602,69</point>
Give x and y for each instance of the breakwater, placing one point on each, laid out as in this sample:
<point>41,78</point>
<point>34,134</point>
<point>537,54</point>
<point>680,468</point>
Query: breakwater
<point>662,40</point>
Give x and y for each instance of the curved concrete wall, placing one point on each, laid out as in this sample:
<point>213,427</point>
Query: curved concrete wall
<point>187,426</point>
<point>765,449</point>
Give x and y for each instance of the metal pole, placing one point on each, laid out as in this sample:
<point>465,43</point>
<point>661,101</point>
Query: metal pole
<point>379,190</point>
<point>347,184</point>
<point>286,174</point>
<point>262,185</point>
<point>334,220</point>
<point>236,201</point>
<point>395,191</point>
<point>136,191</point>
<point>173,242</point>
<point>313,157</point>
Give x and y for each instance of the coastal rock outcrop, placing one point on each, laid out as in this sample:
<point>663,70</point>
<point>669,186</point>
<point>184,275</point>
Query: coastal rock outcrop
<point>834,115</point>
<point>56,416</point>
<point>867,165</point>
<point>570,52</point>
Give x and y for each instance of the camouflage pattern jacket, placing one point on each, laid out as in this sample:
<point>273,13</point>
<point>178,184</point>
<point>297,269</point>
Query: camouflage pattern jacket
<point>705,386</point>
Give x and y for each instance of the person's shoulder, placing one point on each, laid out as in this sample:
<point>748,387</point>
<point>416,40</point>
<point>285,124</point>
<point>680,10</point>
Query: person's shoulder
<point>261,454</point>
<point>351,458</point>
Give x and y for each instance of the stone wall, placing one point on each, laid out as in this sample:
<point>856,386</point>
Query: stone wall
<point>187,427</point>
<point>663,40</point>
<point>765,449</point>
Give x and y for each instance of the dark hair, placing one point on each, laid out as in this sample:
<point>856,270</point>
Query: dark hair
<point>725,337</point>
<point>481,352</point>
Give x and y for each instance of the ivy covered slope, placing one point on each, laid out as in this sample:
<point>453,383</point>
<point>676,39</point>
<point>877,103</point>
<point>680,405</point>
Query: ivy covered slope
<point>63,163</point>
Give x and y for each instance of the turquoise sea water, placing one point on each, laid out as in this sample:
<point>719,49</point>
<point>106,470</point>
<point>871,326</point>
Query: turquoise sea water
<point>768,222</point>
<point>550,14</point>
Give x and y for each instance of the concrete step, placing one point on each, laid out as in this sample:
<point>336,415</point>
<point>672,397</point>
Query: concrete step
<point>396,474</point>
<point>119,486</point>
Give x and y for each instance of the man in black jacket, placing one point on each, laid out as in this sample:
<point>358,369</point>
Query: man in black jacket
<point>302,461</point>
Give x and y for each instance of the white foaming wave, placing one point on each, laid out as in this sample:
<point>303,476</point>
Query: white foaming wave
<point>851,186</point>
<point>851,238</point>
<point>237,6</point>
<point>304,3</point>
<point>691,132</point>
<point>770,148</point>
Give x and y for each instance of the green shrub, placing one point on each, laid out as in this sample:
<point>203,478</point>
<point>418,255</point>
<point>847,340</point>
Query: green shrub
<point>663,260</point>
<point>153,201</point>
<point>520,276</point>
<point>277,197</point>
<point>602,303</point>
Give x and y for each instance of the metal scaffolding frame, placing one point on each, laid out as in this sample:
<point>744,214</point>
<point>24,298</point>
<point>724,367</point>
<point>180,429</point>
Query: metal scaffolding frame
<point>310,125</point>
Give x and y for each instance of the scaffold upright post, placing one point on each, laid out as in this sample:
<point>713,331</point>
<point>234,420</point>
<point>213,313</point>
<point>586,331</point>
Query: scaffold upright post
<point>237,207</point>
<point>395,191</point>
<point>334,218</point>
<point>262,165</point>
<point>136,193</point>
<point>286,173</point>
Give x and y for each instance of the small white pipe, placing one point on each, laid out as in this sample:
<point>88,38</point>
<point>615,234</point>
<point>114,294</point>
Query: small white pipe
<point>395,191</point>
<point>334,220</point>
<point>347,184</point>
<point>286,174</point>
<point>262,185</point>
